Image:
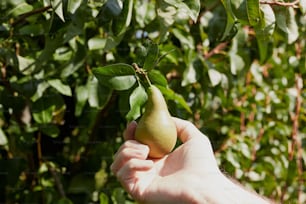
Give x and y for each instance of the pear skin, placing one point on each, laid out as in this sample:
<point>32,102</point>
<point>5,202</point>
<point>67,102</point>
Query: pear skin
<point>156,128</point>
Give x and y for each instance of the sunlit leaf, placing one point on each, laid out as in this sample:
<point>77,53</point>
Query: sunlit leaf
<point>122,21</point>
<point>58,8</point>
<point>3,139</point>
<point>73,5</point>
<point>116,76</point>
<point>137,99</point>
<point>60,87</point>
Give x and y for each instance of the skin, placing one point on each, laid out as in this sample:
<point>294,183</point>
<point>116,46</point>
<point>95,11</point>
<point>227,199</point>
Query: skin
<point>189,174</point>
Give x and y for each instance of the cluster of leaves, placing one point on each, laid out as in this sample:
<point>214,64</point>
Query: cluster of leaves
<point>234,68</point>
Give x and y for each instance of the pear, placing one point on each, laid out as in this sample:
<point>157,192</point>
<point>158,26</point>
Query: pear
<point>156,128</point>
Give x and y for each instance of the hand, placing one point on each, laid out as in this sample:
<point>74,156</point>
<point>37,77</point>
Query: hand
<point>174,178</point>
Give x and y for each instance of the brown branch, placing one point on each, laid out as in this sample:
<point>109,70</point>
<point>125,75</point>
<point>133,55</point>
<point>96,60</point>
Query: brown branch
<point>22,17</point>
<point>57,180</point>
<point>215,50</point>
<point>295,117</point>
<point>278,3</point>
<point>38,146</point>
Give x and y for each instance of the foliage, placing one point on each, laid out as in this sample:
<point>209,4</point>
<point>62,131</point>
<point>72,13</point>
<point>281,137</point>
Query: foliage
<point>236,69</point>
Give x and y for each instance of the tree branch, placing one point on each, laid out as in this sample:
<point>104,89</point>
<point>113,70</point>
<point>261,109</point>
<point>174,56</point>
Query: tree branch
<point>215,50</point>
<point>22,17</point>
<point>278,3</point>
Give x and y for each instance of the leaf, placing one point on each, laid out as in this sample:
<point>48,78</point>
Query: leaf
<point>57,6</point>
<point>60,87</point>
<point>44,109</point>
<point>236,63</point>
<point>214,76</point>
<point>194,67</point>
<point>82,94</point>
<point>171,95</point>
<point>96,43</point>
<point>186,40</point>
<point>254,13</point>
<point>151,57</point>
<point>116,76</point>
<point>114,70</point>
<point>3,138</point>
<point>156,77</point>
<point>20,8</point>
<point>137,99</point>
<point>50,130</point>
<point>191,7</point>
<point>26,65</point>
<point>73,5</point>
<point>98,95</point>
<point>122,21</point>
<point>103,198</point>
<point>230,20</point>
<point>285,19</point>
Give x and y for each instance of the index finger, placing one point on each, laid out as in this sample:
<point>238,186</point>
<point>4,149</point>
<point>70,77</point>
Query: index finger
<point>130,131</point>
<point>186,130</point>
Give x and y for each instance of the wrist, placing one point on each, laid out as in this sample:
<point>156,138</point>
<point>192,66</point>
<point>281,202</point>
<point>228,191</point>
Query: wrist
<point>217,188</point>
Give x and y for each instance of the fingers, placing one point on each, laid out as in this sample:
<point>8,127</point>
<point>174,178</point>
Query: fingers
<point>186,130</point>
<point>130,131</point>
<point>130,151</point>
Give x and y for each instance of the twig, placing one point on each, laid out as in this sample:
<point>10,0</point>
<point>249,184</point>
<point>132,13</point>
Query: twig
<point>278,3</point>
<point>295,117</point>
<point>216,50</point>
<point>57,180</point>
<point>38,146</point>
<point>296,142</point>
<point>22,17</point>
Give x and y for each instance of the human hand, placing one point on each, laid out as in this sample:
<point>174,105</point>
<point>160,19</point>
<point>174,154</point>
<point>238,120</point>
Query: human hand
<point>174,178</point>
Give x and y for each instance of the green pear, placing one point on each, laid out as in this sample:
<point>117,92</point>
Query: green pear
<point>156,128</point>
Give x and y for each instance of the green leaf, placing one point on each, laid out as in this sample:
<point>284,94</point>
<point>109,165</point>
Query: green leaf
<point>3,138</point>
<point>285,19</point>
<point>215,77</point>
<point>114,70</point>
<point>57,6</point>
<point>171,95</point>
<point>97,43</point>
<point>50,130</point>
<point>236,63</point>
<point>191,7</point>
<point>116,76</point>
<point>26,65</point>
<point>45,107</point>
<point>186,40</point>
<point>60,87</point>
<point>82,95</point>
<point>151,57</point>
<point>137,99</point>
<point>254,13</point>
<point>103,198</point>
<point>98,95</point>
<point>73,5</point>
<point>123,20</point>
<point>156,77</point>
<point>230,20</point>
<point>20,8</point>
<point>239,9</point>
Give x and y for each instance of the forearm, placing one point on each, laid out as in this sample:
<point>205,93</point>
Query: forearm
<point>221,190</point>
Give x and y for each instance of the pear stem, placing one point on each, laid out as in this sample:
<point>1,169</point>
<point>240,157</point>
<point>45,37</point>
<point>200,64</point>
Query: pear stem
<point>143,76</point>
